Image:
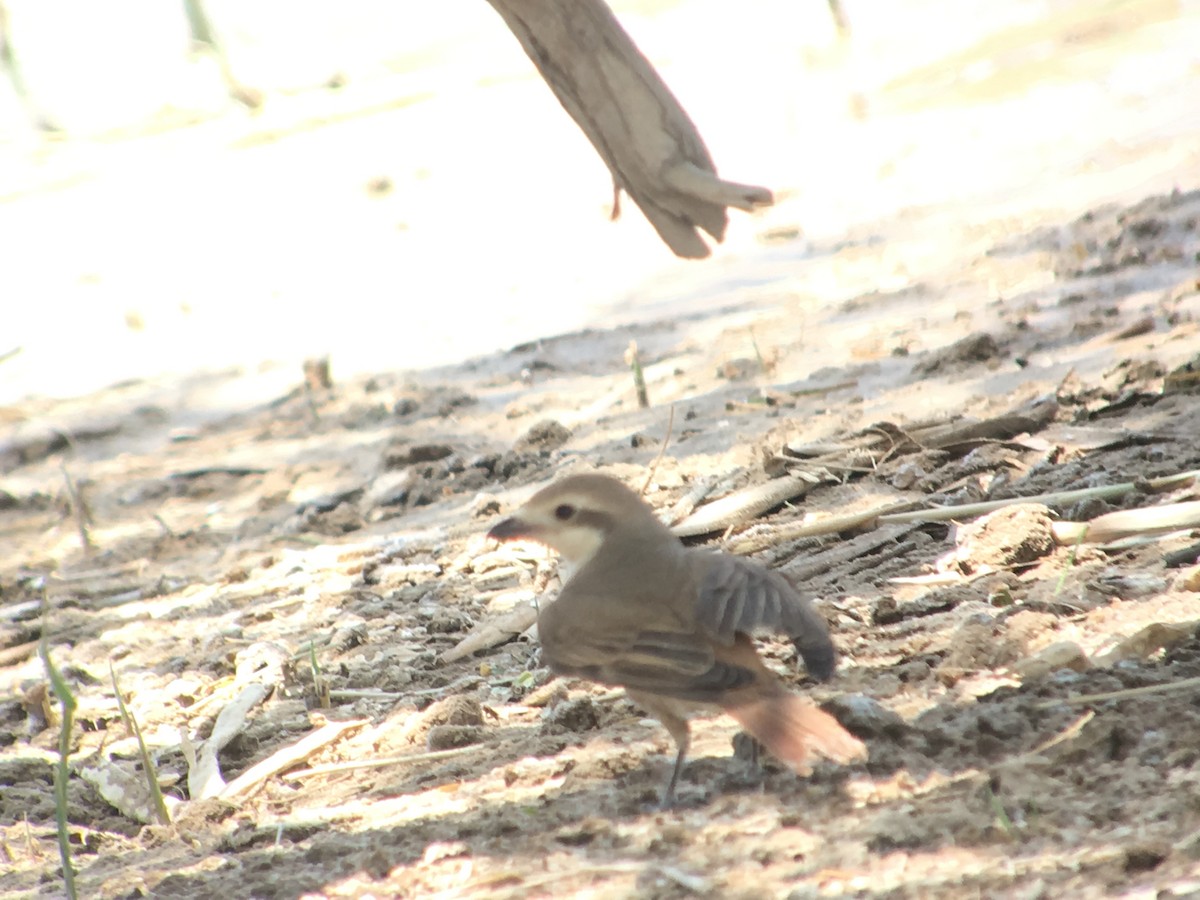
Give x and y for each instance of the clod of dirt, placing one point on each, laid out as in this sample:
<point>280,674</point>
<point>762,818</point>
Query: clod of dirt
<point>1144,857</point>
<point>450,737</point>
<point>532,449</point>
<point>865,717</point>
<point>739,369</point>
<point>448,621</point>
<point>580,834</point>
<point>579,714</point>
<point>455,401</point>
<point>1012,536</point>
<point>485,505</point>
<point>544,436</point>
<point>979,643</point>
<point>343,519</point>
<point>399,455</point>
<point>405,406</point>
<point>458,710</point>
<point>973,349</point>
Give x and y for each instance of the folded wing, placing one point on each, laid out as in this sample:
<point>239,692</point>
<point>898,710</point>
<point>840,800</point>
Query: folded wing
<point>738,595</point>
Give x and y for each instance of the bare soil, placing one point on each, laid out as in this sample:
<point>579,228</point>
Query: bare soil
<point>344,525</point>
<point>328,546</point>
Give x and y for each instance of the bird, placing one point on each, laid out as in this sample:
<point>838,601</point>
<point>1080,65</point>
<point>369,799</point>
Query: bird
<point>674,625</point>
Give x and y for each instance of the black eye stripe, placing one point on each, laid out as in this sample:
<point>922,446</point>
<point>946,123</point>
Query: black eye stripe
<point>564,511</point>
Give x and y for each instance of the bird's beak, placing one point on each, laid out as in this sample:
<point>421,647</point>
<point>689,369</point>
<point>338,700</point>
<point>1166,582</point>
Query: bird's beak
<point>510,529</point>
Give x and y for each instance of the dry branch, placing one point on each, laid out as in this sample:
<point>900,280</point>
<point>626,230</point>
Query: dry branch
<point>631,117</point>
<point>289,756</point>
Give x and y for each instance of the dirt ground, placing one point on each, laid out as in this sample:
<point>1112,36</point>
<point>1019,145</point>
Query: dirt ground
<point>317,561</point>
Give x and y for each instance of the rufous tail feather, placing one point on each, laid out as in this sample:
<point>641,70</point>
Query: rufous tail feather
<point>794,730</point>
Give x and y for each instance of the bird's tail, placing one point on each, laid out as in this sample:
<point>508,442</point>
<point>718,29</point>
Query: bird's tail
<point>794,730</point>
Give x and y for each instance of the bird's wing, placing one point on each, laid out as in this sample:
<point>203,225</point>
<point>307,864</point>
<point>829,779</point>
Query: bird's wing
<point>661,656</point>
<point>739,596</point>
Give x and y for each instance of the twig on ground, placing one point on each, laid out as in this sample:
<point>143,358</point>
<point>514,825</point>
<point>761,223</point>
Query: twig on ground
<point>661,450</point>
<point>1168,687</point>
<point>1056,498</point>
<point>1065,735</point>
<point>352,765</point>
<point>289,756</point>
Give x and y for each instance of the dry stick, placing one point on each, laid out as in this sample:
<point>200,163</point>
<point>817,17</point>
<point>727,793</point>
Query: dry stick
<point>639,378</point>
<point>646,139</point>
<point>31,848</point>
<point>661,450</point>
<point>1167,517</point>
<point>1065,735</point>
<point>289,756</point>
<point>818,527</point>
<point>366,694</point>
<point>1170,686</point>
<point>327,768</point>
<point>79,510</point>
<point>148,767</point>
<point>1109,492</point>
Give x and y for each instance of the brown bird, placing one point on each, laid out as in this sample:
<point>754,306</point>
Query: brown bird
<point>674,625</point>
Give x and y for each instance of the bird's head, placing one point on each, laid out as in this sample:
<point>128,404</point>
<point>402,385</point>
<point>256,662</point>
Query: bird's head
<point>576,515</point>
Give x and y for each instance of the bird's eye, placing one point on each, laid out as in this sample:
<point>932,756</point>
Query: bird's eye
<point>564,511</point>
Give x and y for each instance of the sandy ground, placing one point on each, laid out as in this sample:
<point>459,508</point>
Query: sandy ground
<point>982,212</point>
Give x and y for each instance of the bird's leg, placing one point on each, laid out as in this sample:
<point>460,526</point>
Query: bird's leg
<point>678,727</point>
<point>683,740</point>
